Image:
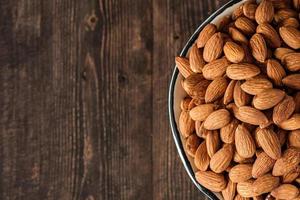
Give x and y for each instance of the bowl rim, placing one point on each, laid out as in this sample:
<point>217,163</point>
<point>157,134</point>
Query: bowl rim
<point>175,132</point>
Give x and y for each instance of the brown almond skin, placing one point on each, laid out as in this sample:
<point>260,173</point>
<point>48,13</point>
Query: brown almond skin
<point>251,115</point>
<point>233,52</point>
<point>264,12</point>
<point>239,197</point>
<point>213,48</point>
<point>217,119</point>
<point>237,36</point>
<point>228,95</point>
<point>192,143</point>
<point>291,176</point>
<point>201,159</point>
<point>211,180</point>
<point>240,173</point>
<point>293,22</point>
<point>256,85</point>
<point>196,59</point>
<point>275,71</point>
<point>200,130</point>
<point>280,52</point>
<point>297,102</point>
<point>242,71</point>
<point>245,25</point>
<point>245,189</point>
<point>284,109</point>
<point>184,104</point>
<point>265,184</point>
<point>292,81</point>
<point>270,34</point>
<point>216,89</point>
<point>293,123</point>
<point>290,36</point>
<point>183,66</point>
<point>292,61</point>
<point>289,161</point>
<point>195,86</point>
<point>240,97</point>
<point>258,47</point>
<point>201,112</point>
<point>212,142</point>
<point>215,69</point>
<point>186,124</point>
<point>244,143</point>
<point>221,159</point>
<point>294,138</point>
<point>269,142</point>
<point>229,192</point>
<point>262,165</point>
<point>283,14</point>
<point>249,9</point>
<point>285,191</point>
<point>268,98</point>
<point>207,32</point>
<point>227,132</point>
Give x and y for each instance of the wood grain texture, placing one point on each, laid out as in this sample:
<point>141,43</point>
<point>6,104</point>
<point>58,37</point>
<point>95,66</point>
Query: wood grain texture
<point>83,98</point>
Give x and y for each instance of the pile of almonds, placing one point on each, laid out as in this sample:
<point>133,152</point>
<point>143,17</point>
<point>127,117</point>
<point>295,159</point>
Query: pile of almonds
<point>241,118</point>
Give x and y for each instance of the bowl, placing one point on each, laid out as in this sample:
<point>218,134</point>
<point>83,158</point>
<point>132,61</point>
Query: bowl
<point>176,94</point>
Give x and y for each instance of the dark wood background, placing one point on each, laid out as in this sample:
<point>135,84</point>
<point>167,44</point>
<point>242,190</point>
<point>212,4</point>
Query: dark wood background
<point>83,98</point>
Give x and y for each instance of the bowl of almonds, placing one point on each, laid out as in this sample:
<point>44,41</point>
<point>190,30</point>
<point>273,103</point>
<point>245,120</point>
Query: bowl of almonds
<point>234,102</point>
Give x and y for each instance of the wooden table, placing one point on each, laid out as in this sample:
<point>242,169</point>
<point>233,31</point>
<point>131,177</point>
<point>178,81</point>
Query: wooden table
<point>83,98</point>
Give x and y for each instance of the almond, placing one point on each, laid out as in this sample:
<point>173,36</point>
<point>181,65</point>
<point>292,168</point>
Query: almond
<point>227,132</point>
<point>183,66</point>
<point>221,159</point>
<point>213,48</point>
<point>283,110</point>
<point>233,52</point>
<point>217,119</point>
<point>297,101</point>
<point>202,159</point>
<point>265,184</point>
<point>216,89</point>
<point>291,176</point>
<point>288,162</point>
<point>292,61</point>
<point>184,104</point>
<point>270,34</point>
<point>283,14</point>
<point>186,124</point>
<point>264,12</point>
<point>294,138</point>
<point>240,97</point>
<point>256,85</point>
<point>239,197</point>
<point>215,69</point>
<point>268,98</point>
<point>292,81</point>
<point>258,47</point>
<point>269,142</point>
<point>245,189</point>
<point>192,144</point>
<point>275,71</point>
<point>262,165</point>
<point>229,192</point>
<point>290,36</point>
<point>280,52</point>
<point>296,4</point>
<point>248,56</point>
<point>228,96</point>
<point>240,173</point>
<point>279,4</point>
<point>285,191</point>
<point>196,59</point>
<point>201,112</point>
<point>237,36</point>
<point>249,9</point>
<point>251,115</point>
<point>212,142</point>
<point>245,25</point>
<point>207,32</point>
<point>242,71</point>
<point>211,180</point>
<point>237,12</point>
<point>200,130</point>
<point>293,123</point>
<point>282,136</point>
<point>293,22</point>
<point>195,86</point>
<point>244,143</point>
<point>239,159</point>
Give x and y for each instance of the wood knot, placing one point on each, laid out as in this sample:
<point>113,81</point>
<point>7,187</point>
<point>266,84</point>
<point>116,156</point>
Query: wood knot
<point>91,21</point>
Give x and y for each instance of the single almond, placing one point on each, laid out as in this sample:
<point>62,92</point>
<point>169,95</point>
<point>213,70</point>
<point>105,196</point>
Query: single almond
<point>213,48</point>
<point>256,85</point>
<point>216,89</point>
<point>227,132</point>
<point>269,142</point>
<point>283,14</point>
<point>283,110</point>
<point>211,180</point>
<point>215,69</point>
<point>201,112</point>
<point>264,12</point>
<point>212,142</point>
<point>202,159</point>
<point>249,9</point>
<point>262,165</point>
<point>196,59</point>
<point>290,36</point>
<point>217,119</point>
<point>228,95</point>
<point>242,71</point>
<point>192,143</point>
<point>292,61</point>
<point>292,81</point>
<point>244,143</point>
<point>183,66</point>
<point>233,52</point>
<point>275,71</point>
<point>240,173</point>
<point>186,124</point>
<point>229,192</point>
<point>245,189</point>
<point>294,138</point>
<point>245,25</point>
<point>258,47</point>
<point>251,115</point>
<point>237,12</point>
<point>268,98</point>
<point>291,176</point>
<point>285,191</point>
<point>237,36</point>
<point>221,159</point>
<point>241,98</point>
<point>280,52</point>
<point>207,32</point>
<point>265,184</point>
<point>195,86</point>
<point>293,22</point>
<point>270,34</point>
<point>293,123</point>
<point>288,162</point>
